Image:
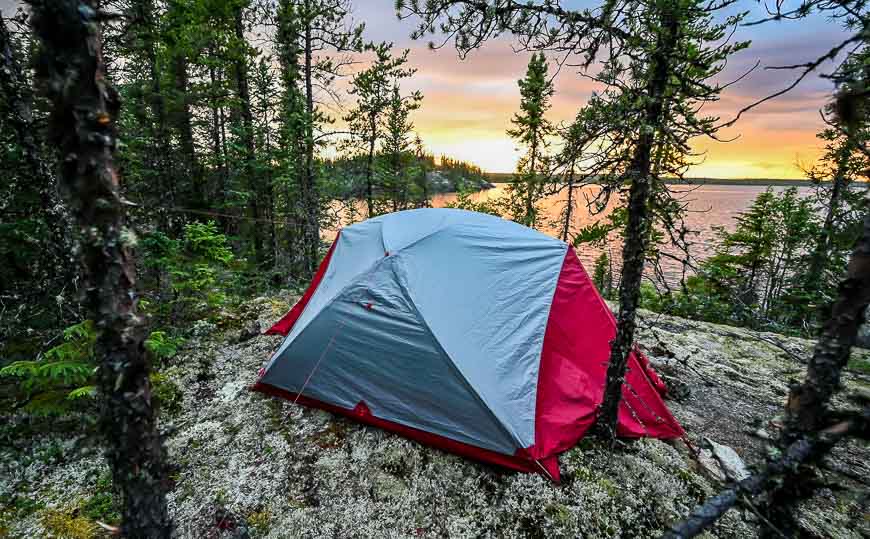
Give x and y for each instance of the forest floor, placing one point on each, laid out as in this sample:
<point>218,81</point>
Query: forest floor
<point>249,465</point>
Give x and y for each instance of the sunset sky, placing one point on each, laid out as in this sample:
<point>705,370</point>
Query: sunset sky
<point>468,104</point>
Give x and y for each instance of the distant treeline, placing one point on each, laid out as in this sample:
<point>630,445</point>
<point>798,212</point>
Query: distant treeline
<point>508,177</point>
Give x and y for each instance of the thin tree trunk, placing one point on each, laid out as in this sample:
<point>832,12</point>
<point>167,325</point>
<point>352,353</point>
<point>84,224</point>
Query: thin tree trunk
<point>311,203</point>
<point>370,163</point>
<point>636,232</point>
<point>569,205</point>
<point>160,154</point>
<point>183,123</point>
<point>530,185</point>
<point>819,256</point>
<point>83,128</point>
<point>20,102</point>
<point>243,87</point>
<point>217,147</point>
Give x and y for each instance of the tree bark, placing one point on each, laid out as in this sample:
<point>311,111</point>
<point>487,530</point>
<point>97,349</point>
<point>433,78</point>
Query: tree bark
<point>807,403</point>
<point>636,232</point>
<point>183,123</point>
<point>160,156</point>
<point>370,165</point>
<point>569,205</point>
<point>85,108</point>
<point>819,257</point>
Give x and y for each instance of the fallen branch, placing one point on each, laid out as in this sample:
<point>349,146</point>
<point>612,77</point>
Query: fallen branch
<point>806,450</point>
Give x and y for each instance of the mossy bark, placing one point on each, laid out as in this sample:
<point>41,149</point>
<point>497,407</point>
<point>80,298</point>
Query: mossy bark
<point>84,110</point>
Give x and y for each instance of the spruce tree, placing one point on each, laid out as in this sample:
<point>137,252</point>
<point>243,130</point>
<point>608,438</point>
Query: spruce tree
<point>658,60</point>
<point>531,130</point>
<point>398,158</point>
<point>373,88</point>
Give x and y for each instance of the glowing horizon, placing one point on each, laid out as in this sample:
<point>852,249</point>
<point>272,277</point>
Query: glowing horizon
<point>468,103</point>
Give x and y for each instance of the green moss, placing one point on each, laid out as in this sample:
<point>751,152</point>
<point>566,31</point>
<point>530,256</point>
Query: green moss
<point>103,504</point>
<point>232,429</point>
<point>68,525</point>
<point>559,513</point>
<point>608,486</point>
<point>260,522</point>
<point>859,364</point>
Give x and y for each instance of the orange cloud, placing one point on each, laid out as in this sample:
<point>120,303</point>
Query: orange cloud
<point>468,106</point>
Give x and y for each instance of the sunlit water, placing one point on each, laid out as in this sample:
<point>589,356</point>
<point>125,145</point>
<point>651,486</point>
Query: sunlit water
<point>710,207</point>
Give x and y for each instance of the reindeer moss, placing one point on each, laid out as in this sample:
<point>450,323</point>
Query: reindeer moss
<point>282,470</point>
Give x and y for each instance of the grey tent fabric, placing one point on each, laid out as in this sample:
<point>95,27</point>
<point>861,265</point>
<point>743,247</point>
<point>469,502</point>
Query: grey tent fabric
<point>434,319</point>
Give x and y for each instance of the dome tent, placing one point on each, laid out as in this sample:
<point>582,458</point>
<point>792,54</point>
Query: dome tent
<point>464,331</point>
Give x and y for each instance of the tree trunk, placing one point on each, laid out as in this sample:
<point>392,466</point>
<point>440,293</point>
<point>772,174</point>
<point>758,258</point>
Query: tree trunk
<point>809,432</point>
<point>569,205</point>
<point>244,92</point>
<point>636,231</point>
<point>82,126</point>
<point>370,164</point>
<point>807,403</point>
<point>530,184</point>
<point>819,258</point>
<point>311,204</point>
<point>183,123</point>
<point>160,154</point>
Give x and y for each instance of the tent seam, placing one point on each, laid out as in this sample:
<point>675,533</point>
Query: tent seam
<point>329,303</point>
<point>544,338</point>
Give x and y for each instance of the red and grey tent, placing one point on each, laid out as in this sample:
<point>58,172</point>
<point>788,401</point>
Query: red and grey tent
<point>463,331</point>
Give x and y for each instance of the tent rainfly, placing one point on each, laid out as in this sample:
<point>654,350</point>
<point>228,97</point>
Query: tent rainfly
<point>463,331</point>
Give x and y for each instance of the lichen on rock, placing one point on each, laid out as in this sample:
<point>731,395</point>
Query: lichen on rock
<point>246,464</point>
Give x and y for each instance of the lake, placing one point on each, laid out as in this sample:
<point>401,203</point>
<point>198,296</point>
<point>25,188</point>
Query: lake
<point>710,206</point>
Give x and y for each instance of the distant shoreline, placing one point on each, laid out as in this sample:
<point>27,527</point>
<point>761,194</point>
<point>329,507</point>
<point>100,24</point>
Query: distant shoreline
<point>504,177</point>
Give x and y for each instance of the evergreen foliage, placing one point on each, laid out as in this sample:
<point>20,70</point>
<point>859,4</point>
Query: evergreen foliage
<point>378,122</point>
<point>531,130</point>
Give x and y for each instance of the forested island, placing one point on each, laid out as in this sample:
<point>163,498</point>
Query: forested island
<point>177,175</point>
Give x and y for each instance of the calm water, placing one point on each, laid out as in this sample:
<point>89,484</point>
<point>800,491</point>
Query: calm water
<point>710,206</point>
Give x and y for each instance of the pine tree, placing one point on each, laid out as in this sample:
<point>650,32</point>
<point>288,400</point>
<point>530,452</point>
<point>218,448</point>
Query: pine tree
<point>397,153</point>
<point>659,58</point>
<point>641,125</point>
<point>842,164</point>
<point>531,130</point>
<point>315,35</point>
<point>34,228</point>
<point>373,89</point>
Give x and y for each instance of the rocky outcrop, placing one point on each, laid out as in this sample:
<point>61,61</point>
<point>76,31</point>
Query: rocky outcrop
<point>248,465</point>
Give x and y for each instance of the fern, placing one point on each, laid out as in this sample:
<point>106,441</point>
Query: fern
<point>161,345</point>
<point>82,393</point>
<point>63,375</point>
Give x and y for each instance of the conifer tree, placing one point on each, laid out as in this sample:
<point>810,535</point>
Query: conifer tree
<point>842,164</point>
<point>531,130</point>
<point>659,57</point>
<point>373,89</point>
<point>314,35</point>
<point>397,153</point>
